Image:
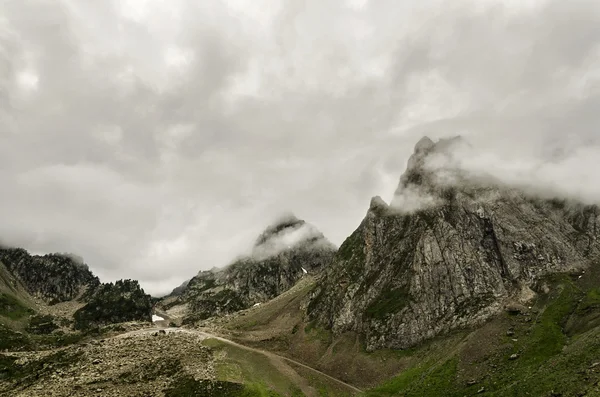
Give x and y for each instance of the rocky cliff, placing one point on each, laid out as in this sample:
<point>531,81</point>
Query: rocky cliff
<point>281,255</point>
<point>115,303</point>
<point>449,252</point>
<point>64,278</point>
<point>54,277</point>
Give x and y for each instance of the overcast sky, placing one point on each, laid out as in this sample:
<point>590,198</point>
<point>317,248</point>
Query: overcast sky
<point>157,138</point>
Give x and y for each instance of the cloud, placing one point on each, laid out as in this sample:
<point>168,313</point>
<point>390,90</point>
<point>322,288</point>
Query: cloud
<point>303,234</point>
<point>159,138</point>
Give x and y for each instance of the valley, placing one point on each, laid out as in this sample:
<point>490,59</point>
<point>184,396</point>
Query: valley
<point>487,290</point>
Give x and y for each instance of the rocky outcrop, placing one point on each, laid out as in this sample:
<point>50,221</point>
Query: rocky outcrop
<point>115,303</point>
<point>54,277</point>
<point>282,254</point>
<point>448,253</point>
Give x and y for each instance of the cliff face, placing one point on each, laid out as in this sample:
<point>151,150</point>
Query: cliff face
<point>59,278</point>
<point>448,253</point>
<point>115,303</point>
<point>282,254</point>
<point>53,277</point>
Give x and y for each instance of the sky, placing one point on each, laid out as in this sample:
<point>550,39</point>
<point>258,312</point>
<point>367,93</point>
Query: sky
<point>158,138</point>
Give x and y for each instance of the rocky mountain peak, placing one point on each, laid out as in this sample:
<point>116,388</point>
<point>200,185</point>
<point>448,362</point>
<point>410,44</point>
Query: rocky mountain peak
<point>457,252</point>
<point>288,233</point>
<point>284,223</point>
<point>285,252</point>
<point>424,145</point>
<point>52,277</point>
<point>430,170</point>
<point>378,203</point>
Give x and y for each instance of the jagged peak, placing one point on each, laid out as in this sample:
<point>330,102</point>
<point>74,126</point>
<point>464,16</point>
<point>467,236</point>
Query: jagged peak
<point>431,163</point>
<point>424,145</point>
<point>426,148</point>
<point>377,202</point>
<point>284,221</point>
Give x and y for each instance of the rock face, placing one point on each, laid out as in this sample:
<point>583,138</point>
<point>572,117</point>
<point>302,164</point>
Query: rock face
<point>58,278</point>
<point>282,254</point>
<point>115,303</point>
<point>449,252</point>
<point>54,277</point>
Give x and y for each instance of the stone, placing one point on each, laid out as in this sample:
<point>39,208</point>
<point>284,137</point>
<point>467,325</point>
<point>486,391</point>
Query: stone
<point>448,264</point>
<point>282,254</point>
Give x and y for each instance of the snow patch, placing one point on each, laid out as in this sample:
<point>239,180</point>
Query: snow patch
<point>156,318</point>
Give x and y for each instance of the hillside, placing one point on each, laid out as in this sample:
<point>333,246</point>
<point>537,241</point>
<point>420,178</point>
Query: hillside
<point>460,286</point>
<point>53,299</point>
<point>54,278</point>
<point>485,289</point>
<point>285,252</point>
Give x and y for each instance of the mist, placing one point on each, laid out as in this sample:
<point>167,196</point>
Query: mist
<point>156,139</point>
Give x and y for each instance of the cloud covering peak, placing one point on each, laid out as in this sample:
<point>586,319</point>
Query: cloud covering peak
<point>155,138</point>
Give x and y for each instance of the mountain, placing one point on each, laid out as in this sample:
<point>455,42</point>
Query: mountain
<point>449,252</point>
<point>41,294</point>
<point>460,286</point>
<point>54,277</point>
<point>115,303</point>
<point>281,255</point>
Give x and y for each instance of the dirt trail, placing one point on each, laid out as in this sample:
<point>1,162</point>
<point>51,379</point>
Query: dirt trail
<point>280,361</point>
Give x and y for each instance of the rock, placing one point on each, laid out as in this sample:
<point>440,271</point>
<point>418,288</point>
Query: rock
<point>54,277</point>
<point>281,256</point>
<point>515,308</point>
<point>510,333</point>
<point>403,277</point>
<point>97,361</point>
<point>111,303</point>
<point>482,390</point>
<point>513,356</point>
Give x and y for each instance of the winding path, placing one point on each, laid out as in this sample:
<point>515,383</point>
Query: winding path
<point>270,355</point>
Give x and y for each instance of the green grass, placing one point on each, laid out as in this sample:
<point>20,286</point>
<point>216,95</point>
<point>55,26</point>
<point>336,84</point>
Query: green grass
<point>250,368</point>
<point>187,386</point>
<point>13,308</point>
<point>13,340</point>
<point>391,301</point>
<point>425,380</point>
<point>316,333</point>
<point>32,371</point>
<point>590,302</point>
<point>548,362</point>
<point>264,376</point>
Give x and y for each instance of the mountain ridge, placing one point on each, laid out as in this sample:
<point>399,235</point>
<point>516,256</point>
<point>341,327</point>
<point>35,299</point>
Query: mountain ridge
<point>406,276</point>
<point>285,251</point>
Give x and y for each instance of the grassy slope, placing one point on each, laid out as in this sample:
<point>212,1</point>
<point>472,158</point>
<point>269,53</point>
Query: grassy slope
<point>15,303</point>
<point>279,326</point>
<point>269,375</point>
<point>551,350</point>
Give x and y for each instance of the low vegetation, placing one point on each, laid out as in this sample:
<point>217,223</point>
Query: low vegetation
<point>13,308</point>
<point>115,303</point>
<point>516,354</point>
